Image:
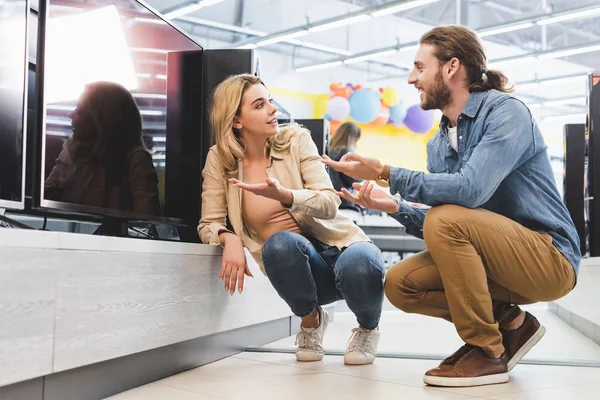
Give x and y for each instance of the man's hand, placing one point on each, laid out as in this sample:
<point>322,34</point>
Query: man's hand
<point>234,264</point>
<point>271,189</point>
<point>370,196</point>
<point>356,166</point>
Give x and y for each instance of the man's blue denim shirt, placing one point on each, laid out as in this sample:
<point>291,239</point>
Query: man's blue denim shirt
<point>502,165</point>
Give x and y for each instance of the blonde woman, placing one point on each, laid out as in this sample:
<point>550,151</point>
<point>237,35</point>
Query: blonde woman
<point>270,182</point>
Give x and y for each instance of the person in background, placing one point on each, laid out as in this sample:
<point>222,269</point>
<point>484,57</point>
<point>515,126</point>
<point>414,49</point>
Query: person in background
<point>105,163</point>
<point>343,141</point>
<point>270,182</point>
<point>498,233</point>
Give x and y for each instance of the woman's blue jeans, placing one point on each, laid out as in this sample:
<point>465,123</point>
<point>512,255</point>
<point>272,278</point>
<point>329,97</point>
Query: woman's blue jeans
<point>308,272</point>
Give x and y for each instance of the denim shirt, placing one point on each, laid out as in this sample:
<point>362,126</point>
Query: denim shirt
<point>502,165</point>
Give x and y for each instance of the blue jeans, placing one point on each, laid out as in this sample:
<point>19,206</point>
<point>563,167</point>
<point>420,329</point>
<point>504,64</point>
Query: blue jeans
<point>307,272</point>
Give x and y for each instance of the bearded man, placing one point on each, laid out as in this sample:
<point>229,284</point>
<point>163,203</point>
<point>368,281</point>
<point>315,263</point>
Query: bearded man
<point>497,234</point>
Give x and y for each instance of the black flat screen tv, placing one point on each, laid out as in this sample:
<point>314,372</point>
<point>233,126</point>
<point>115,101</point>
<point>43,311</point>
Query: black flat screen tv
<point>14,16</point>
<point>102,101</point>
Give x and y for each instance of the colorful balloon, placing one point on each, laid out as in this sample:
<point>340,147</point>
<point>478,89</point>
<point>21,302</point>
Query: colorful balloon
<point>364,106</point>
<point>383,117</point>
<point>418,120</point>
<point>338,108</point>
<point>398,112</point>
<point>390,97</point>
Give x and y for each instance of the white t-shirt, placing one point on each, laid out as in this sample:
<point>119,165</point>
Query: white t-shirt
<point>452,134</point>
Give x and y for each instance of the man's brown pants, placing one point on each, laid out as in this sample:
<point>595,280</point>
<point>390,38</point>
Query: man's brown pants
<point>477,267</point>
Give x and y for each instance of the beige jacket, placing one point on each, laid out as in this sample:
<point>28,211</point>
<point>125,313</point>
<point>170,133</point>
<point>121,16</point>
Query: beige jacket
<point>300,170</point>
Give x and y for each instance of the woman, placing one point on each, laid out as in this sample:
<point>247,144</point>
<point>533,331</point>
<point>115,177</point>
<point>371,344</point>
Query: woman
<point>344,141</point>
<point>270,182</point>
<point>105,163</point>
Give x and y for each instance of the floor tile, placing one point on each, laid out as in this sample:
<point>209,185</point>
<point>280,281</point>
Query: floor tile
<point>317,386</point>
<point>579,392</point>
<point>159,392</point>
<point>229,369</point>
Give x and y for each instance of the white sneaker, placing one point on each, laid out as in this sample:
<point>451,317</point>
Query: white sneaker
<point>362,346</point>
<point>310,340</point>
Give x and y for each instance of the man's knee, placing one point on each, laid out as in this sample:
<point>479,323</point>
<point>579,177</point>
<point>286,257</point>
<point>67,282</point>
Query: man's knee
<point>439,219</point>
<point>398,288</point>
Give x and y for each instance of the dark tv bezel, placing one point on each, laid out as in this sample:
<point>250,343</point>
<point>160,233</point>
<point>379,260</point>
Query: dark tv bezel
<point>79,211</point>
<point>12,204</point>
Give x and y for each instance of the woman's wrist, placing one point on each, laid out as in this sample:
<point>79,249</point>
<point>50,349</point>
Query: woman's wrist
<point>287,197</point>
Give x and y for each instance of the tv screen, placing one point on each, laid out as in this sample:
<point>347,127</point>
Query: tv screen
<point>102,79</point>
<point>13,98</point>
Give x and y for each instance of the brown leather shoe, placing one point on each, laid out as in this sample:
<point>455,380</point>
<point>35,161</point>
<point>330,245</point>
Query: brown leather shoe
<point>518,342</point>
<point>469,366</point>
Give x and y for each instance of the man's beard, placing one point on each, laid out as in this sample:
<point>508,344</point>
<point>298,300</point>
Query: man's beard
<point>438,96</point>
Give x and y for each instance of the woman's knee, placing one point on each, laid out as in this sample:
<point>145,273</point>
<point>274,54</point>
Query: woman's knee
<point>281,249</point>
<point>361,262</point>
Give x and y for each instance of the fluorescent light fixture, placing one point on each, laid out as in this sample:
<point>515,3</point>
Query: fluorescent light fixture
<point>59,108</point>
<point>505,29</point>
<point>145,76</point>
<point>60,122</point>
<point>339,23</point>
<point>190,8</point>
<point>527,85</point>
<point>320,47</point>
<point>149,96</point>
<point>159,138</point>
<point>156,21</point>
<point>148,50</point>
<point>569,52</point>
<point>568,79</point>
<point>510,61</point>
<point>152,112</point>
<point>576,101</point>
<point>570,117</point>
<point>568,16</point>
<point>320,66</point>
<point>410,48</point>
<point>248,46</point>
<point>402,7</point>
<point>161,76</point>
<point>371,56</point>
<point>281,38</point>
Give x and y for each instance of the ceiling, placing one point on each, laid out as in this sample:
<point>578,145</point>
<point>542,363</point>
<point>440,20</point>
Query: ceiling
<point>520,37</point>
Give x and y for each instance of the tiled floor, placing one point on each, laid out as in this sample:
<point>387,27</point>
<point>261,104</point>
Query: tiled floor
<point>278,376</point>
<point>261,375</point>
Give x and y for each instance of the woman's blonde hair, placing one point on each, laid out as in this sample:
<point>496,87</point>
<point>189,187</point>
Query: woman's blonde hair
<point>345,137</point>
<point>226,105</point>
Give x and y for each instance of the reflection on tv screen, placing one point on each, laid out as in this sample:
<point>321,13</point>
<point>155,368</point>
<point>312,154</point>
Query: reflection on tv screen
<point>105,98</point>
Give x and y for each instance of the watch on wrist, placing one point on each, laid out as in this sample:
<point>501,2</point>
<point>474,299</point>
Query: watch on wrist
<point>384,179</point>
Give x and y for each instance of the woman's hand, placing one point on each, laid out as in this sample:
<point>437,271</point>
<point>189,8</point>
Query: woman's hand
<point>234,265</point>
<point>271,189</point>
<point>370,196</point>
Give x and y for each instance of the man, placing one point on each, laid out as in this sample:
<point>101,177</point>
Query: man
<point>497,234</point>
